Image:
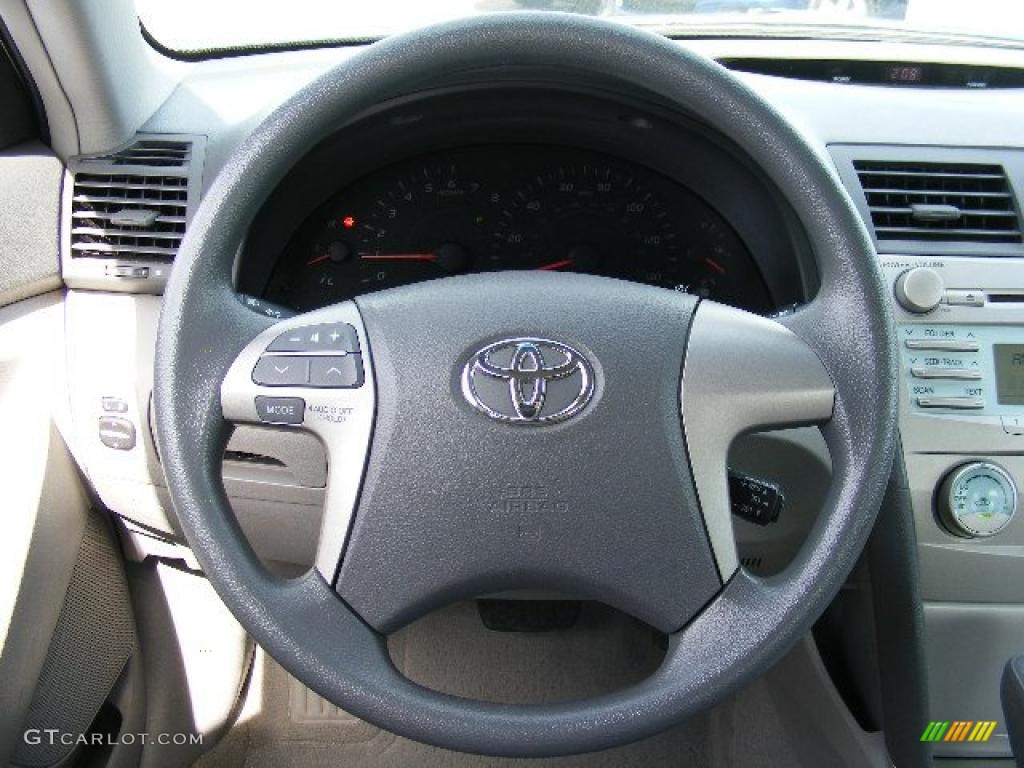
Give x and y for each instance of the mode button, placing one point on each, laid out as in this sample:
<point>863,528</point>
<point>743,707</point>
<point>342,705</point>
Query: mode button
<point>280,410</point>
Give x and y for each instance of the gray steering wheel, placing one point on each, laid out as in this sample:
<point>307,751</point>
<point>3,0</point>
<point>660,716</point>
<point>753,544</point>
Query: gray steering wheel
<point>518,430</point>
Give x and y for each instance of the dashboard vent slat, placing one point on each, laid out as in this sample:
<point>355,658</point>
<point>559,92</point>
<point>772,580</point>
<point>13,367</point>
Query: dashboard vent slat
<point>91,215</point>
<point>107,183</point>
<point>939,202</point>
<point>948,233</point>
<point>910,211</point>
<point>133,249</point>
<point>109,233</point>
<point>932,174</point>
<point>133,203</point>
<point>155,152</point>
<point>917,193</point>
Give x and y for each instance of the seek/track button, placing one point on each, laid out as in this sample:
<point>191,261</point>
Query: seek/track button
<point>281,371</point>
<point>281,410</point>
<point>346,372</point>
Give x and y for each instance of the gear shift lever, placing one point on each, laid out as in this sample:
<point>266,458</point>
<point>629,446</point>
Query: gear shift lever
<point>1012,694</point>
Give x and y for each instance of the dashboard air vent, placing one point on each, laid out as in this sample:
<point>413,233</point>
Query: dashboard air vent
<point>133,204</point>
<point>939,202</point>
<point>155,152</point>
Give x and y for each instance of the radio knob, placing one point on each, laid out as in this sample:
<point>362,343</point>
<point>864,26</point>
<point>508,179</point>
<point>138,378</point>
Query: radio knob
<point>919,290</point>
<point>976,500</point>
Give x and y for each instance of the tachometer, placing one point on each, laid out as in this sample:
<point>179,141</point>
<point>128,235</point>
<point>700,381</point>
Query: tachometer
<point>426,221</point>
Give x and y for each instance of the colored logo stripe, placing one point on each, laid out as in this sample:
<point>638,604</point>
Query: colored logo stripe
<point>982,731</point>
<point>958,730</point>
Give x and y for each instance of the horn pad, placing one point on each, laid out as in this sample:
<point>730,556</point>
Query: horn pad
<point>528,436</point>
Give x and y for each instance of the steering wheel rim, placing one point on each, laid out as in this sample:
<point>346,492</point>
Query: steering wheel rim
<point>303,623</point>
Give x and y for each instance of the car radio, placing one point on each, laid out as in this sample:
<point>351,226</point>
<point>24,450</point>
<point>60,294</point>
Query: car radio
<point>977,369</point>
<point>960,330</point>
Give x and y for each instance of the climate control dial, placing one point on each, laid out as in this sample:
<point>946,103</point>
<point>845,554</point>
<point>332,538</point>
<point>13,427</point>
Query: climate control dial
<point>977,500</point>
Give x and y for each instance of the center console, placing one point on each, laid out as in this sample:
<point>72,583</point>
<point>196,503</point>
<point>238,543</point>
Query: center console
<point>960,330</point>
<point>947,226</point>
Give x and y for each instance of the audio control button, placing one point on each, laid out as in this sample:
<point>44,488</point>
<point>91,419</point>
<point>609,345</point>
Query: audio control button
<point>335,338</point>
<point>943,345</point>
<point>1013,425</point>
<point>281,371</point>
<point>919,290</point>
<point>952,403</point>
<point>965,298</point>
<point>280,410</point>
<point>958,374</point>
<point>339,372</point>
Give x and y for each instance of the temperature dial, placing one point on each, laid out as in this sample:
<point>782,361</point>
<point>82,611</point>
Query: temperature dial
<point>977,500</point>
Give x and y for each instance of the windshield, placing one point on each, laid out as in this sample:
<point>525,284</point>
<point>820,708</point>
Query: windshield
<point>202,25</point>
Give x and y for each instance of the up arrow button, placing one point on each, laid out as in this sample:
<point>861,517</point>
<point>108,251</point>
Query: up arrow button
<point>344,372</point>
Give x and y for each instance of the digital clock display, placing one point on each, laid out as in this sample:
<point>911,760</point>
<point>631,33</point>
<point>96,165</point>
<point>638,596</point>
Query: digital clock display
<point>1009,373</point>
<point>904,73</point>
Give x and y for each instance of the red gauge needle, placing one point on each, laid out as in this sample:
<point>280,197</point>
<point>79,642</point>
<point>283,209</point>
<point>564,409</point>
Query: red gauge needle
<point>338,252</point>
<point>714,265</point>
<point>557,265</point>
<point>398,256</point>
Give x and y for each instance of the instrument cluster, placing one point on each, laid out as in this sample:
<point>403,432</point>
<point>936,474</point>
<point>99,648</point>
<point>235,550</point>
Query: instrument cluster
<point>515,207</point>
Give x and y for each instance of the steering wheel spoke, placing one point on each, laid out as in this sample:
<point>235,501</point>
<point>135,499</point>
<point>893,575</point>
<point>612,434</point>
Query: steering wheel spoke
<point>742,372</point>
<point>313,372</point>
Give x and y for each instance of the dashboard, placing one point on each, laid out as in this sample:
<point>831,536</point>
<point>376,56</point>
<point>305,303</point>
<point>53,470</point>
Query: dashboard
<point>515,206</point>
<point>494,175</point>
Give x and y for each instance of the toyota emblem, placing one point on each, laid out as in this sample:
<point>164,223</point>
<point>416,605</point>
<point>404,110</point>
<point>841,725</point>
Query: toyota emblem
<point>528,381</point>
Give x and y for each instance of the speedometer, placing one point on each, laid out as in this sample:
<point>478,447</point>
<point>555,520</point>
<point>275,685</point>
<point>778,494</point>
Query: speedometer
<point>605,217</point>
<point>515,207</point>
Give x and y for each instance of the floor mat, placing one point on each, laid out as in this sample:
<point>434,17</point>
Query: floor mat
<point>283,724</point>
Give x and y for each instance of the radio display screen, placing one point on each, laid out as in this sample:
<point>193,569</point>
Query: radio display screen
<point>1009,373</point>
